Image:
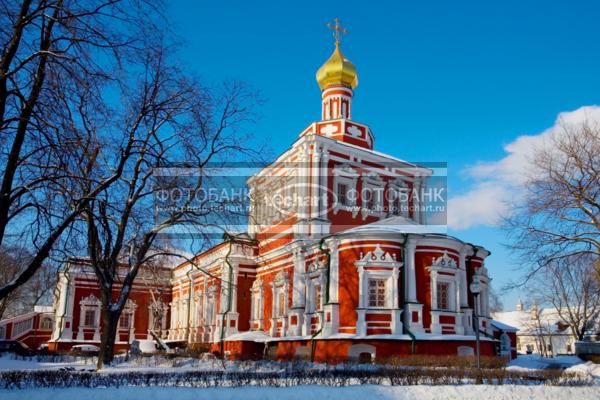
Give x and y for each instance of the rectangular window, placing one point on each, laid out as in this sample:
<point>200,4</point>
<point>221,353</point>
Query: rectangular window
<point>398,205</point>
<point>377,292</point>
<point>281,304</point>
<point>342,194</point>
<point>318,304</point>
<point>210,312</point>
<point>257,308</point>
<point>442,296</point>
<point>46,323</point>
<point>125,320</point>
<point>90,318</point>
<point>371,197</point>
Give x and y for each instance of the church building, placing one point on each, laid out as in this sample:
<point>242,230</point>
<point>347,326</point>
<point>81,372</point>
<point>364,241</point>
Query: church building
<point>338,261</point>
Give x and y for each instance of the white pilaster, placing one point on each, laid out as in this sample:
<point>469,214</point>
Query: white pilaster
<point>410,276</point>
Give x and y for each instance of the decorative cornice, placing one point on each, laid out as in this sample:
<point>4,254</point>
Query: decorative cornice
<point>445,261</point>
<point>378,257</point>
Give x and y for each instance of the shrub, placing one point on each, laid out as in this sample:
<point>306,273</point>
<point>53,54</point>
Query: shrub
<point>445,361</point>
<point>290,376</point>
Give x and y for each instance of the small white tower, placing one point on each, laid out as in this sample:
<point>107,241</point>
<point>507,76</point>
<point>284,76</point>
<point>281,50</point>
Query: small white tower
<point>519,305</point>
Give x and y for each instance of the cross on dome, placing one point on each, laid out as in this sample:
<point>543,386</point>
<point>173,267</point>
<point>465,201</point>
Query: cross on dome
<point>337,28</point>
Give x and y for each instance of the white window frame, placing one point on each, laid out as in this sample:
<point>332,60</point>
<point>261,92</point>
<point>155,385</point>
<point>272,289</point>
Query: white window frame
<point>89,303</point>
<point>451,276</point>
<point>315,276</point>
<point>211,306</point>
<point>397,190</point>
<point>50,322</point>
<point>130,307</point>
<point>256,304</point>
<point>345,175</point>
<point>378,264</point>
<point>280,286</point>
<point>373,183</point>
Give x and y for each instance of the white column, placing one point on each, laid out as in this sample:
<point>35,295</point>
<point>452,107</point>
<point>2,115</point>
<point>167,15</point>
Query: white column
<point>190,317</point>
<point>361,288</point>
<point>464,300</point>
<point>82,311</point>
<point>361,324</point>
<point>324,180</point>
<point>303,171</point>
<point>410,272</point>
<point>315,175</point>
<point>422,214</point>
<point>395,288</point>
<point>334,272</point>
<point>234,267</point>
<point>396,323</point>
<point>298,290</point>
<point>416,198</point>
<point>434,303</point>
<point>457,292</point>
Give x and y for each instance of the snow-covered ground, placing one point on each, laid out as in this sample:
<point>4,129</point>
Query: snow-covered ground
<point>314,392</point>
<point>8,362</point>
<point>422,392</point>
<point>568,363</point>
<point>521,363</point>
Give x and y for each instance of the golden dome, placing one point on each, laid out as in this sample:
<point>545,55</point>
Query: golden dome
<point>336,71</point>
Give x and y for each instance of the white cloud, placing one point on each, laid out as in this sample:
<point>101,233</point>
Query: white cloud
<point>499,182</point>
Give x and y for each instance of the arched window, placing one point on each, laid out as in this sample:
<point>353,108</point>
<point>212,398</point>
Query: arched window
<point>281,285</point>
<point>46,323</point>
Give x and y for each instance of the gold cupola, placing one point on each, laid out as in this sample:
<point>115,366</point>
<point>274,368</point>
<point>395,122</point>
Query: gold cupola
<point>337,70</point>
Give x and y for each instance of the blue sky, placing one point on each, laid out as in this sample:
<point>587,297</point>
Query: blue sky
<point>438,80</point>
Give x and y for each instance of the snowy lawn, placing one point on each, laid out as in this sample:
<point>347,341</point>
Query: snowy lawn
<point>568,363</point>
<point>488,392</point>
<point>322,392</point>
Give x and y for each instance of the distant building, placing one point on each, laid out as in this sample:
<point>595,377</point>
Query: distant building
<point>540,330</point>
<point>77,307</point>
<point>32,329</point>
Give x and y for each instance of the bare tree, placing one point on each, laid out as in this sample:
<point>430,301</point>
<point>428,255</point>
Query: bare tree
<point>560,215</point>
<point>495,301</point>
<point>167,122</point>
<point>541,329</point>
<point>32,293</point>
<point>54,54</point>
<point>571,286</point>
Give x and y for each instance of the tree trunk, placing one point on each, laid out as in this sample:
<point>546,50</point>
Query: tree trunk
<point>110,323</point>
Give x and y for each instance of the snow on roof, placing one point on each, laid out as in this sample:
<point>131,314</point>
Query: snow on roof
<point>503,327</point>
<point>250,336</point>
<point>517,319</point>
<point>549,320</point>
<point>43,309</point>
<point>398,224</point>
